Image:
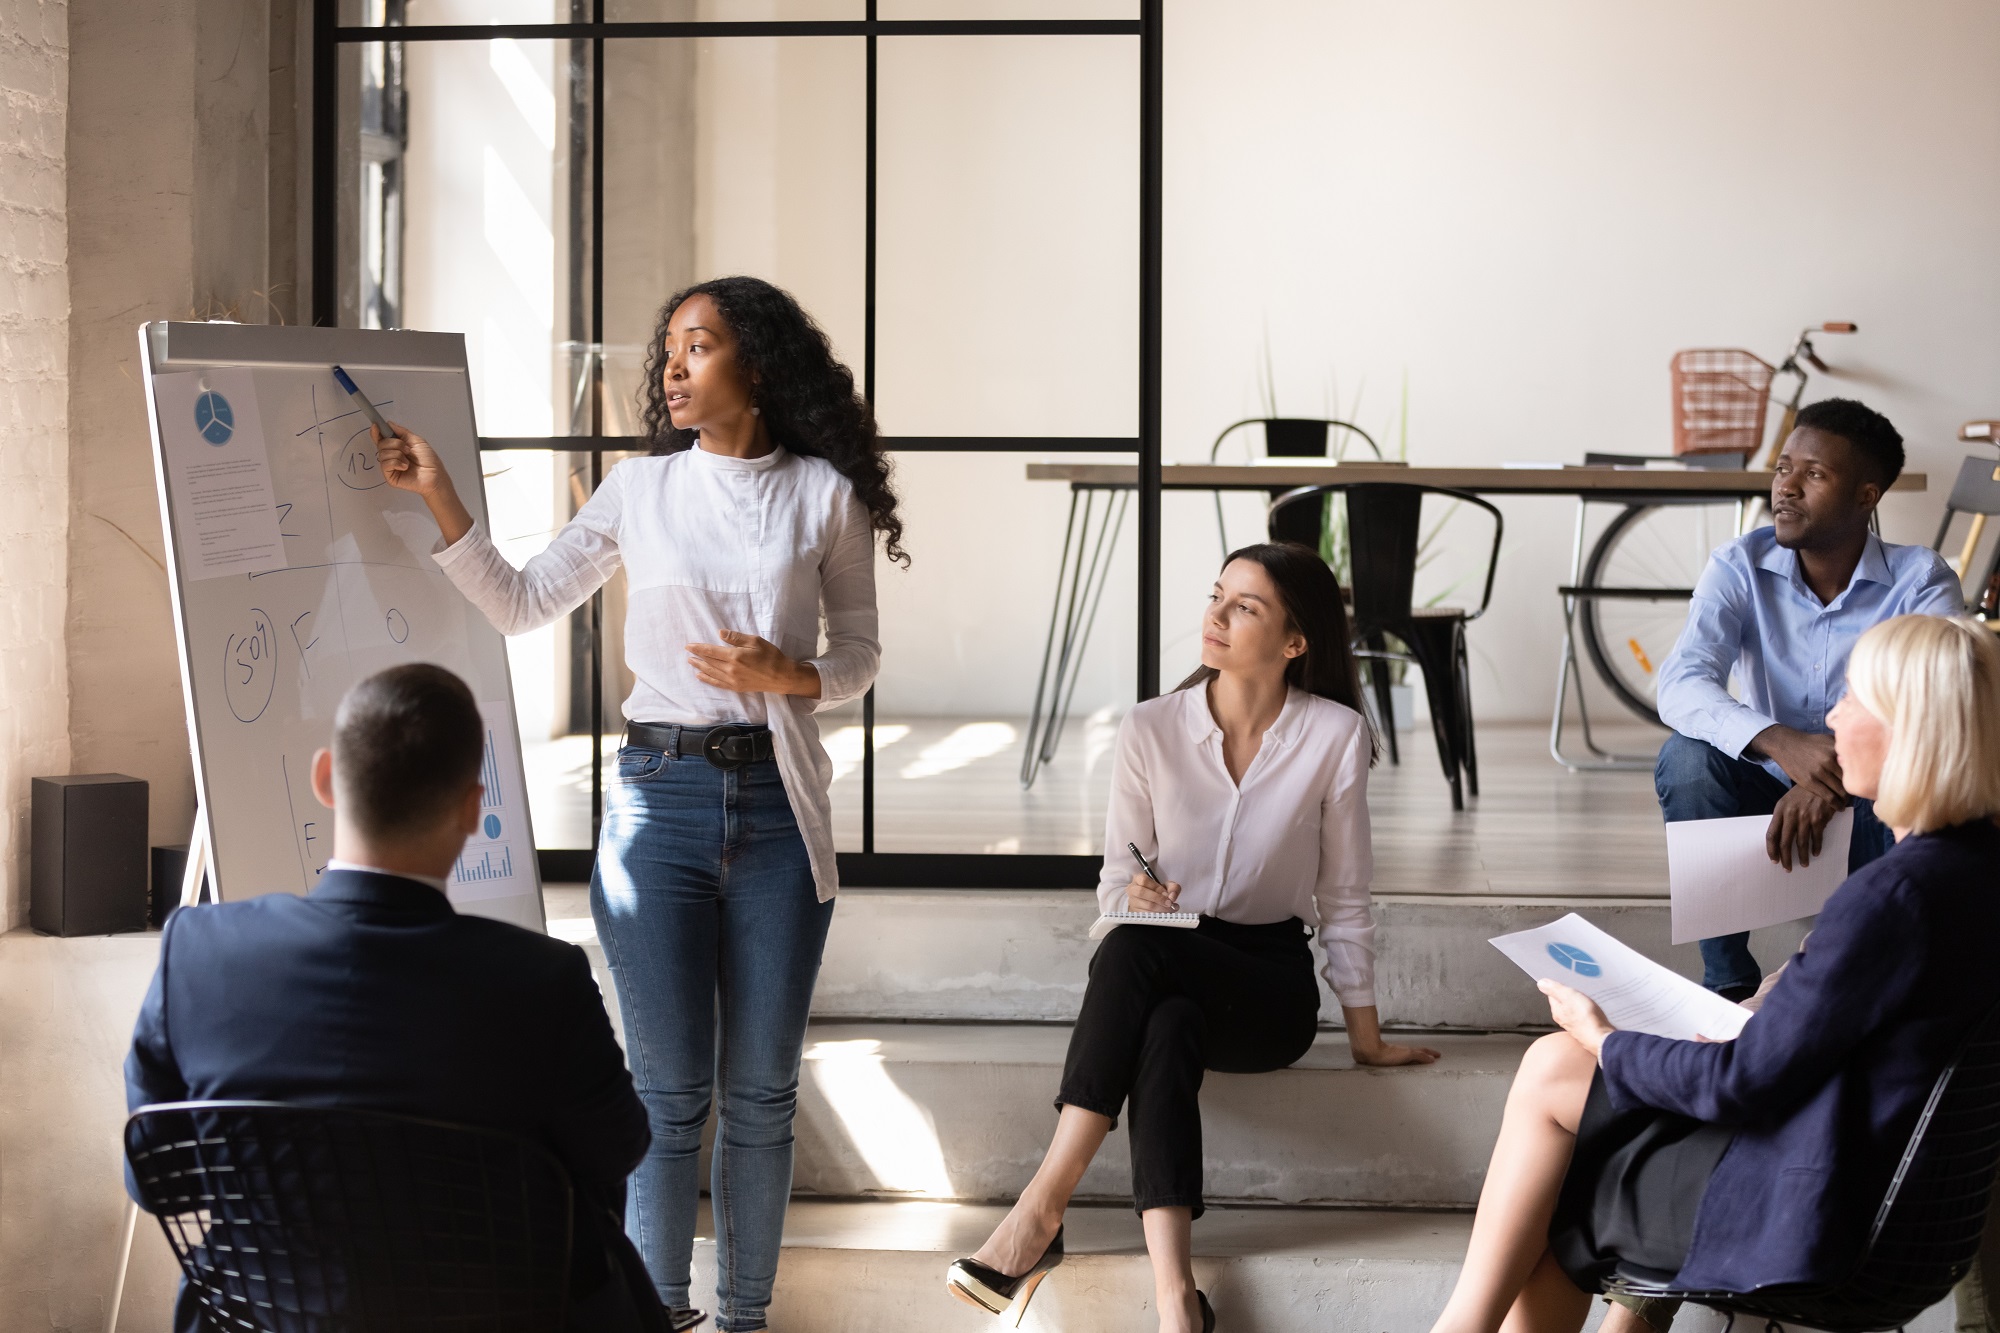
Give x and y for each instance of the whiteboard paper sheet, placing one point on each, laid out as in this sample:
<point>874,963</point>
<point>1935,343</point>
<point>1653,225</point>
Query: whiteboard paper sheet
<point>1722,881</point>
<point>1635,993</point>
<point>223,504</point>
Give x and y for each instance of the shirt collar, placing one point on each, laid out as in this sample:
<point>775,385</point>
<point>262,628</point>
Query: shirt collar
<point>1201,722</point>
<point>731,463</point>
<point>1873,566</point>
<point>426,880</point>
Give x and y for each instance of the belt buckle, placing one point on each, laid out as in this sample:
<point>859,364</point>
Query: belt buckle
<point>719,736</point>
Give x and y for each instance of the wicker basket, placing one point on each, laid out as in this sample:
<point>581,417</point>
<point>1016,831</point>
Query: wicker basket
<point>1719,398</point>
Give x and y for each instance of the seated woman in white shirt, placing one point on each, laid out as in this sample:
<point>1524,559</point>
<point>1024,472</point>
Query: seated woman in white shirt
<point>1246,790</point>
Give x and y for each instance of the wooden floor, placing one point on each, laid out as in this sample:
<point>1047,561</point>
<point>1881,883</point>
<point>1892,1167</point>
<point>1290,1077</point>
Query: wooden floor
<point>953,785</point>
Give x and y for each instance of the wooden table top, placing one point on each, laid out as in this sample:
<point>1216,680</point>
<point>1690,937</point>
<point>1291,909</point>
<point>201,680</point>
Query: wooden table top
<point>1486,480</point>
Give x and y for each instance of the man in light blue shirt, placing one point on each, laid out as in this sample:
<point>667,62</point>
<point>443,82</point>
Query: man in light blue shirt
<point>1782,607</point>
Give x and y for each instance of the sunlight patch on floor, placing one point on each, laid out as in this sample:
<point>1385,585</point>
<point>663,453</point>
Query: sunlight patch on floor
<point>967,745</point>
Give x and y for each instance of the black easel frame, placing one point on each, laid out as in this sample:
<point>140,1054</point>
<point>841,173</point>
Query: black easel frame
<point>867,868</point>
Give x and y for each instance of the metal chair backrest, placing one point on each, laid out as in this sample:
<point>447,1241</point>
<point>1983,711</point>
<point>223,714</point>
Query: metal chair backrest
<point>1720,394</point>
<point>290,1219</point>
<point>1384,534</point>
<point>1294,437</point>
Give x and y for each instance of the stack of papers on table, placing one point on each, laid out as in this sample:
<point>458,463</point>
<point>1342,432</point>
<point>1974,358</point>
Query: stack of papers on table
<point>1635,993</point>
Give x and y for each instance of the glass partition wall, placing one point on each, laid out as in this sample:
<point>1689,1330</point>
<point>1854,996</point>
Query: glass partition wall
<point>966,196</point>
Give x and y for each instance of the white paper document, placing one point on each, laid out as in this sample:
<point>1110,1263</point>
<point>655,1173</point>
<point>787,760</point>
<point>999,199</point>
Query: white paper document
<point>1635,993</point>
<point>221,474</point>
<point>1722,881</point>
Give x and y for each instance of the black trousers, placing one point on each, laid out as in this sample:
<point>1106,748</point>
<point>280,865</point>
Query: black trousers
<point>1163,1005</point>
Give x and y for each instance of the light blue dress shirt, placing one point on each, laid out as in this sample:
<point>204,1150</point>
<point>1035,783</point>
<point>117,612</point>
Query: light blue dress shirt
<point>1753,612</point>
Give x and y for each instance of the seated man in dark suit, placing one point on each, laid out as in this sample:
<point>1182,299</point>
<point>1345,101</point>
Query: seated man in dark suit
<point>372,992</point>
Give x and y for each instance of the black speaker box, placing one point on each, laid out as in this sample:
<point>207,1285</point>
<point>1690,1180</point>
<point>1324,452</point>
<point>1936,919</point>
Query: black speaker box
<point>89,856</point>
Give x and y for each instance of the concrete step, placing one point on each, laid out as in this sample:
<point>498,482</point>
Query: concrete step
<point>965,1112</point>
<point>879,1268</point>
<point>1021,955</point>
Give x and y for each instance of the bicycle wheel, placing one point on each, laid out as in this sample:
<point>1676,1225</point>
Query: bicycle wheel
<point>1646,546</point>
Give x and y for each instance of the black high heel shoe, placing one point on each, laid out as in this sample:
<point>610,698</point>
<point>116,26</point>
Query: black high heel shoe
<point>995,1292</point>
<point>682,1318</point>
<point>1207,1313</point>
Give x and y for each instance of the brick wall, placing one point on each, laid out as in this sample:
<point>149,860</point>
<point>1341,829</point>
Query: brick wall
<point>34,421</point>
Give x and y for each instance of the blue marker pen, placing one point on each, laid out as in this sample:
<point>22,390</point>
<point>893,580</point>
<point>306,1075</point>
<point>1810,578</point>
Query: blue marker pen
<point>367,408</point>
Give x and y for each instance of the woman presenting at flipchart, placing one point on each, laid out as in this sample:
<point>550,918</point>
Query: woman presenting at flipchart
<point>755,516</point>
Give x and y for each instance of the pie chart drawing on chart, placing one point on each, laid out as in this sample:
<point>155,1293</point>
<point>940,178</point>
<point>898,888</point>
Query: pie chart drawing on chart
<point>1575,960</point>
<point>492,826</point>
<point>214,418</point>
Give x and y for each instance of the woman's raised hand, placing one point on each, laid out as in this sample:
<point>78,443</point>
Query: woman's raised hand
<point>747,664</point>
<point>1577,1014</point>
<point>1145,894</point>
<point>408,461</point>
<point>410,464</point>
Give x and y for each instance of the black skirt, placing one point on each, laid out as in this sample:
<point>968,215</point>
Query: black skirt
<point>1633,1188</point>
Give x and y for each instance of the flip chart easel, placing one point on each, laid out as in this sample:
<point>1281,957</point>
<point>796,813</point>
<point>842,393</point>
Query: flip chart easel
<point>296,570</point>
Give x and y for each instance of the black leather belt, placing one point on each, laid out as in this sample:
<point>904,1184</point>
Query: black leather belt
<point>726,745</point>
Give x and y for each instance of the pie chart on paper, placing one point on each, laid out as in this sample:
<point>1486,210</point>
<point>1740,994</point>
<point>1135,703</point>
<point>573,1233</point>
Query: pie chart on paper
<point>214,418</point>
<point>1575,960</point>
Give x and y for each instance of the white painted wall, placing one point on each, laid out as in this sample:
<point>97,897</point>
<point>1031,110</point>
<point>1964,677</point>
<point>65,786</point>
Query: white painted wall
<point>34,423</point>
<point>1521,210</point>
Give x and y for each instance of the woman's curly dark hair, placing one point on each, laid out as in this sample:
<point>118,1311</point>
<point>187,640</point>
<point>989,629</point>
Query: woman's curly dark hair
<point>805,395</point>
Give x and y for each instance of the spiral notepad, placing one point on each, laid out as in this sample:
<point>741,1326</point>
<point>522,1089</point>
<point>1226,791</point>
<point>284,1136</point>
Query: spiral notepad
<point>1105,924</point>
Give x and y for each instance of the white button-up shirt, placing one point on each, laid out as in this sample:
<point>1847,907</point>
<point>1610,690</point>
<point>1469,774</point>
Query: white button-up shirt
<point>767,546</point>
<point>1290,841</point>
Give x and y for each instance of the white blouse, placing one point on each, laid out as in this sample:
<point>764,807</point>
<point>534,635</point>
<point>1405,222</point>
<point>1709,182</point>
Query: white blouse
<point>1290,841</point>
<point>766,545</point>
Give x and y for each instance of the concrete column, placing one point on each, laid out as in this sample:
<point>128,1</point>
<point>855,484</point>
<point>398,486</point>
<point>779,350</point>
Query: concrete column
<point>34,426</point>
<point>168,220</point>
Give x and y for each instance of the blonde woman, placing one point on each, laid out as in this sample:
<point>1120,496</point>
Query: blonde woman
<point>1612,1149</point>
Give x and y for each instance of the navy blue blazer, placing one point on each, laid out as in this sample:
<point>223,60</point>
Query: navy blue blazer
<point>1825,1084</point>
<point>372,992</point>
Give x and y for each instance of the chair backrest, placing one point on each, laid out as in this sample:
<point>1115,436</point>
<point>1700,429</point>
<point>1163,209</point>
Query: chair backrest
<point>1384,535</point>
<point>290,1219</point>
<point>1720,394</point>
<point>1295,437</point>
<point>1977,490</point>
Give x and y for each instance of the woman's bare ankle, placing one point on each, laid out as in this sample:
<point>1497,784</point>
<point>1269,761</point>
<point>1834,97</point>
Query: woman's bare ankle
<point>1179,1307</point>
<point>1021,1237</point>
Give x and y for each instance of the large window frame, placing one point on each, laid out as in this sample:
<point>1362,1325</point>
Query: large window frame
<point>867,868</point>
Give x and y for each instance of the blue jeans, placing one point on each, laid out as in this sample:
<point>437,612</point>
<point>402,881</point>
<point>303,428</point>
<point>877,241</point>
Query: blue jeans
<point>1694,780</point>
<point>704,901</point>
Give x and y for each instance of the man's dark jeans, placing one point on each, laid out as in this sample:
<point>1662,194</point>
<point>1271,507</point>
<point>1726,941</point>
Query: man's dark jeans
<point>1695,780</point>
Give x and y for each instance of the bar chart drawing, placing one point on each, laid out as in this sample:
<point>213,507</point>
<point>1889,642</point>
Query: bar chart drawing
<point>489,774</point>
<point>480,863</point>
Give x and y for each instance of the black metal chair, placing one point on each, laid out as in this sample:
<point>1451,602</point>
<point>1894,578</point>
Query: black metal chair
<point>1927,1229</point>
<point>1288,437</point>
<point>290,1219</point>
<point>1384,522</point>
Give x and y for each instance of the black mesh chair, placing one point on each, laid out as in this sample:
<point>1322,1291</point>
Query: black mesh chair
<point>1384,521</point>
<point>293,1219</point>
<point>1927,1229</point>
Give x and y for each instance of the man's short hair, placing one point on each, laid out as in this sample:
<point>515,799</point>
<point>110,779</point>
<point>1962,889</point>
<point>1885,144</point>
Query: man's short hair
<point>1879,443</point>
<point>407,743</point>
